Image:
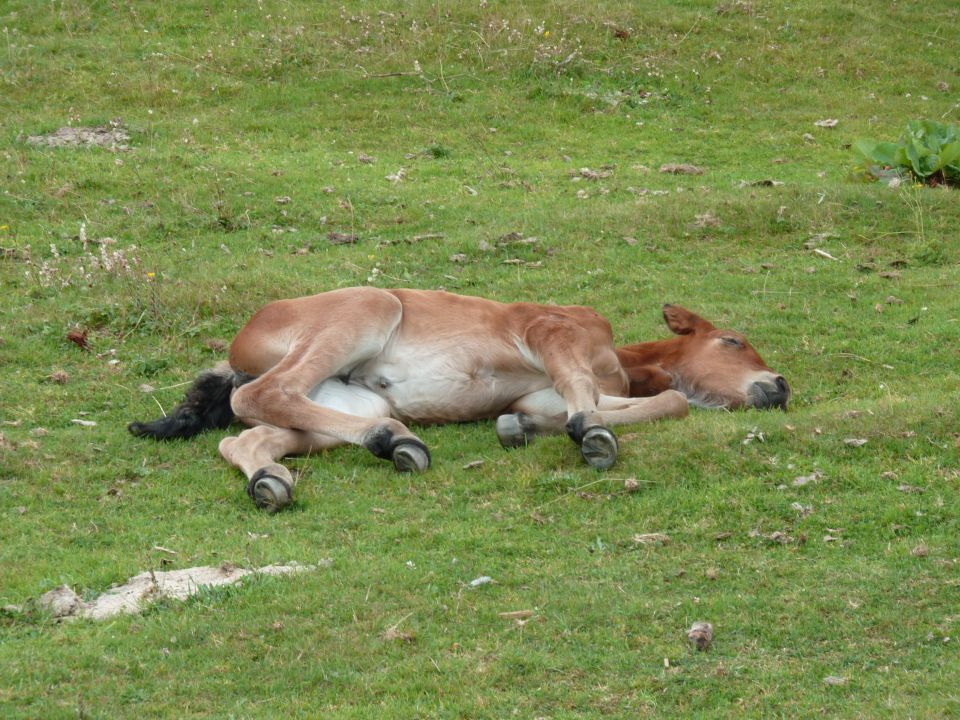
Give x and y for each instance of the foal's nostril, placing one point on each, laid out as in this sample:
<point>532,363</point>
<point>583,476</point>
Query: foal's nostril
<point>782,384</point>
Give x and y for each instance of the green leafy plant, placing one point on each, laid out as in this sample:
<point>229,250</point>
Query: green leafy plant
<point>928,151</point>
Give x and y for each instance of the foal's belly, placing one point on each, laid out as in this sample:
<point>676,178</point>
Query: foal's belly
<point>446,387</point>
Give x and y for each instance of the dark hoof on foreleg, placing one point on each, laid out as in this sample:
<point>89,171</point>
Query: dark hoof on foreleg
<point>269,492</point>
<point>514,430</point>
<point>407,453</point>
<point>599,448</point>
<point>410,456</point>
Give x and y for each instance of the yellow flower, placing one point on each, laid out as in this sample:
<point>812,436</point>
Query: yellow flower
<point>151,275</point>
<point>4,227</point>
<point>546,33</point>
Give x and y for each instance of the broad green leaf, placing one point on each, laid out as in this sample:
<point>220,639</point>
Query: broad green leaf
<point>916,154</point>
<point>883,153</point>
<point>924,148</point>
<point>950,156</point>
<point>901,157</point>
<point>935,134</point>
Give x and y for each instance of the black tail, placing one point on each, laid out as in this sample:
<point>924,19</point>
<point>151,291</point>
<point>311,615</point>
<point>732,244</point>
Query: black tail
<point>205,407</point>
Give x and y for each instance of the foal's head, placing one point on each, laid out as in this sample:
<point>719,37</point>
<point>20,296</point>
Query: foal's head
<point>712,367</point>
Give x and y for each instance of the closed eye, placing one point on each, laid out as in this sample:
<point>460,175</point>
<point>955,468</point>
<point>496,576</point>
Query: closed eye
<point>731,341</point>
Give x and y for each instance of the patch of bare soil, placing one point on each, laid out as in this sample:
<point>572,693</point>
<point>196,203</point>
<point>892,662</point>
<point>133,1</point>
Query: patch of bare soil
<point>113,137</point>
<point>134,595</point>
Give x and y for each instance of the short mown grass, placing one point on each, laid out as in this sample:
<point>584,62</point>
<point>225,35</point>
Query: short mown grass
<point>247,126</point>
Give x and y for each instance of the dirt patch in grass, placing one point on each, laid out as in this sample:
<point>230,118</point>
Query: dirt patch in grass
<point>113,136</point>
<point>142,589</point>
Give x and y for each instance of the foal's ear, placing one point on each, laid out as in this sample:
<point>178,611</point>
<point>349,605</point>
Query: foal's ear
<point>683,322</point>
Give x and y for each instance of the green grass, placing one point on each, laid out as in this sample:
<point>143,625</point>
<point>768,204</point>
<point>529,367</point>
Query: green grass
<point>230,109</point>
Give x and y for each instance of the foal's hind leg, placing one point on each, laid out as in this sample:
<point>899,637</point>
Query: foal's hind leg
<point>301,349</point>
<point>256,451</point>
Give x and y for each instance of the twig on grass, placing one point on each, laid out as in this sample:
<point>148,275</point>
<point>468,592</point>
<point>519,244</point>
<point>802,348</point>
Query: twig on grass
<point>135,326</point>
<point>692,28</point>
<point>391,74</point>
<point>931,285</point>
<point>392,632</point>
<point>852,356</point>
<point>162,411</point>
<point>442,80</point>
<point>567,494</point>
<point>171,387</point>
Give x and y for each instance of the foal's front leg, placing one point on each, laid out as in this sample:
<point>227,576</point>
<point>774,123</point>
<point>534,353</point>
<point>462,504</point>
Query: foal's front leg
<point>572,355</point>
<point>542,413</point>
<point>346,409</point>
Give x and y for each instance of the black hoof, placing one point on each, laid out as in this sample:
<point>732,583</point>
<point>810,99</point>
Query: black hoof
<point>514,430</point>
<point>599,448</point>
<point>577,426</point>
<point>269,492</point>
<point>407,453</point>
<point>410,456</point>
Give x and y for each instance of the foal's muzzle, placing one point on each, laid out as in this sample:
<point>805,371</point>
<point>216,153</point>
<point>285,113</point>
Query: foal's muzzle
<point>769,394</point>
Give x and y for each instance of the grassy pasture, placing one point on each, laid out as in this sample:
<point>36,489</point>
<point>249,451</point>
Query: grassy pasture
<point>258,130</point>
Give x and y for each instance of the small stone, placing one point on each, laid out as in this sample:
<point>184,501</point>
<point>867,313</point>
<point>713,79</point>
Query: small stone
<point>700,635</point>
<point>904,488</point>
<point>681,169</point>
<point>651,539</point>
<point>339,238</point>
<point>802,480</point>
<point>392,634</point>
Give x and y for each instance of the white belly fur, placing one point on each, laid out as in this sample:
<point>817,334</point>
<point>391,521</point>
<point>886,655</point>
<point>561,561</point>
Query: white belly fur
<point>431,385</point>
<point>350,399</point>
<point>451,384</point>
